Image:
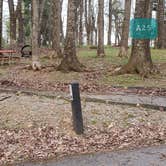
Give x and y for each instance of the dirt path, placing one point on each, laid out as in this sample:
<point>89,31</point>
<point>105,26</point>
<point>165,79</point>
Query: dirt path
<point>153,156</point>
<point>19,110</point>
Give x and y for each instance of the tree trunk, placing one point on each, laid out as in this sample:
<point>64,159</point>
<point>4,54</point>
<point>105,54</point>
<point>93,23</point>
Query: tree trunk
<point>165,35</point>
<point>140,60</point>
<point>110,23</point>
<point>1,15</point>
<point>161,30</point>
<point>95,36</point>
<point>100,48</point>
<point>70,61</point>
<point>88,22</point>
<point>81,23</point>
<point>41,10</point>
<point>125,30</point>
<point>20,23</point>
<point>27,20</point>
<point>56,9</point>
<point>61,22</point>
<point>92,23</point>
<point>12,22</point>
<point>117,29</point>
<point>35,32</point>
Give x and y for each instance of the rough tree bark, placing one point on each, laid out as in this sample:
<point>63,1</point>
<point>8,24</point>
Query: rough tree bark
<point>165,35</point>
<point>1,13</point>
<point>88,21</point>
<point>41,10</point>
<point>41,21</point>
<point>70,61</point>
<point>100,48</point>
<point>123,52</point>
<point>109,23</point>
<point>117,40</point>
<point>35,33</point>
<point>61,22</point>
<point>12,22</point>
<point>81,7</point>
<point>161,26</point>
<point>20,23</point>
<point>56,9</point>
<point>92,24</point>
<point>140,60</point>
<point>96,36</point>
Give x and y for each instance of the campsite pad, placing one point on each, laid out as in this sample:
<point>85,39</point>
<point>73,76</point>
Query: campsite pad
<point>38,128</point>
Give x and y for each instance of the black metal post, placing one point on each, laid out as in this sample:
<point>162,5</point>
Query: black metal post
<point>76,108</point>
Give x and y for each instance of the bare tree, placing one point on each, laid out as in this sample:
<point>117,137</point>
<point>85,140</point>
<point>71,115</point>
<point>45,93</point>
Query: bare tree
<point>56,9</point>
<point>161,26</point>
<point>62,33</point>
<point>109,23</point>
<point>81,10</point>
<point>35,33</point>
<point>100,48</point>
<point>70,61</point>
<point>88,20</point>
<point>12,22</point>
<point>125,31</point>
<point>20,23</point>
<point>1,13</point>
<point>140,60</point>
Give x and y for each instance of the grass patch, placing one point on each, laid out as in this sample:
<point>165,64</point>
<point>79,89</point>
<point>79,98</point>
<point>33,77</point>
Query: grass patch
<point>123,80</point>
<point>112,59</point>
<point>158,56</point>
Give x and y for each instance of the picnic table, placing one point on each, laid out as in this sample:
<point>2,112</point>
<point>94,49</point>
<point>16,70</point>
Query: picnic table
<point>6,56</point>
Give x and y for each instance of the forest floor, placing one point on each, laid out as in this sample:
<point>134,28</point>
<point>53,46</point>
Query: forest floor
<point>96,79</point>
<point>36,127</point>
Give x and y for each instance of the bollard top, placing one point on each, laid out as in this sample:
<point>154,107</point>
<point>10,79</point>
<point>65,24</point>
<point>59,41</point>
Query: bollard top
<point>74,83</point>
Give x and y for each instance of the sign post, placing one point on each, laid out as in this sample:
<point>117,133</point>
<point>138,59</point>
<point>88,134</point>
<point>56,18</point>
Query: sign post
<point>76,108</point>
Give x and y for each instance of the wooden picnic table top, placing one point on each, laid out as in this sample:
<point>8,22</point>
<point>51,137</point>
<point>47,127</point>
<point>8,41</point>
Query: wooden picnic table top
<point>8,51</point>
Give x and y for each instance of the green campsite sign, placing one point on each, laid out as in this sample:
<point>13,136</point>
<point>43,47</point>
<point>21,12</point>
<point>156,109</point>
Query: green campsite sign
<point>143,28</point>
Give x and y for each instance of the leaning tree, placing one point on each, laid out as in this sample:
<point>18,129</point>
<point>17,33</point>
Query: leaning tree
<point>140,60</point>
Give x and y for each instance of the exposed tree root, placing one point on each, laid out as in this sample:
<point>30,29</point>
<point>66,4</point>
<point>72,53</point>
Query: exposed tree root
<point>73,66</point>
<point>144,72</point>
<point>36,65</point>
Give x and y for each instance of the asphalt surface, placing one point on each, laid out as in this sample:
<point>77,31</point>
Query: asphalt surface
<point>154,156</point>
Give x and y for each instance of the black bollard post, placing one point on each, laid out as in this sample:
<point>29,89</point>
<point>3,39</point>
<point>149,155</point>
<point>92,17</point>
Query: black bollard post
<point>76,108</point>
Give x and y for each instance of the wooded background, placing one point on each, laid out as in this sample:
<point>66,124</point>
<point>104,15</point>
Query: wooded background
<point>41,23</point>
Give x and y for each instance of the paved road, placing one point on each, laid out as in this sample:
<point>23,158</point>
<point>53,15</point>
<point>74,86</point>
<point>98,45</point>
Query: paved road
<point>155,156</point>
